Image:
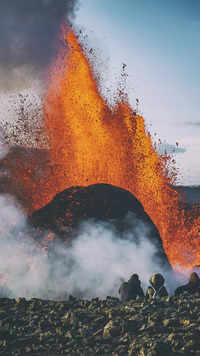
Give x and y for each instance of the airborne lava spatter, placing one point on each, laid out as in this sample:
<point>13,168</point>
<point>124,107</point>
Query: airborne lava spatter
<point>92,143</point>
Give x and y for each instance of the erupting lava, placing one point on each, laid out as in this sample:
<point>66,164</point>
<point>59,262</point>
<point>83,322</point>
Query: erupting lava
<point>91,142</point>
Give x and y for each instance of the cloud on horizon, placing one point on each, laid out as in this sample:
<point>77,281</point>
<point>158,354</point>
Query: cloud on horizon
<point>192,123</point>
<point>166,148</point>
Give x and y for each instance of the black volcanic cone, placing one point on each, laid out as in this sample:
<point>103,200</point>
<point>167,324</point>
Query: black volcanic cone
<point>101,202</point>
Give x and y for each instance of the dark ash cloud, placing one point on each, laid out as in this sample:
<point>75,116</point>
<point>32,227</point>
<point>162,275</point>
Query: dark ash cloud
<point>29,30</point>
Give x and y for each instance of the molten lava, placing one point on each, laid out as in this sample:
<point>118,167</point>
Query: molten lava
<point>91,142</point>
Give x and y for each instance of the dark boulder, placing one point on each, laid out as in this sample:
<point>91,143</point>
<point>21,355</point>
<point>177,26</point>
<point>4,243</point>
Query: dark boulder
<point>99,202</point>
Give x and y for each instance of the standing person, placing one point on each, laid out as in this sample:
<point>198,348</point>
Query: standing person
<point>157,288</point>
<point>132,289</point>
<point>193,285</point>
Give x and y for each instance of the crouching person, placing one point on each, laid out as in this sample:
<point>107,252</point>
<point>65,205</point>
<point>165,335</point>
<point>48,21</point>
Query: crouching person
<point>193,286</point>
<point>131,290</point>
<point>157,289</point>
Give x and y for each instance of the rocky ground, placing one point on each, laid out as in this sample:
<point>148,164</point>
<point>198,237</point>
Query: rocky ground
<point>170,326</point>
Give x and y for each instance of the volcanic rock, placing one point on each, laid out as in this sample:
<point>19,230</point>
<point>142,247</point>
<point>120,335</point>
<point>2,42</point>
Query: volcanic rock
<point>99,202</point>
<point>100,327</point>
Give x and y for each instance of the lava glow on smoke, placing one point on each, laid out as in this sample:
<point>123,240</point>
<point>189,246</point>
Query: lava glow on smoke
<point>91,142</point>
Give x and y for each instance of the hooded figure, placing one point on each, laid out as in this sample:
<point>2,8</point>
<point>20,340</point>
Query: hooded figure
<point>131,290</point>
<point>157,288</point>
<point>193,286</point>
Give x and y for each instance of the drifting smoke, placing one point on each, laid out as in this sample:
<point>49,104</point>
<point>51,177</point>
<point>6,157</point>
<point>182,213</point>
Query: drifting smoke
<point>93,264</point>
<point>4,148</point>
<point>29,37</point>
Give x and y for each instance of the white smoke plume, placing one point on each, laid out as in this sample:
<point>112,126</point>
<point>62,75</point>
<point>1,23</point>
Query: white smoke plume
<point>91,265</point>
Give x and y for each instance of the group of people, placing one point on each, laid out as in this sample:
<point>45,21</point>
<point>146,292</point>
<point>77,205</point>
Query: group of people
<point>132,289</point>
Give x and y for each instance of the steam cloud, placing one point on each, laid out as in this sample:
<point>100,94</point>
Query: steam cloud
<point>91,265</point>
<point>29,36</point>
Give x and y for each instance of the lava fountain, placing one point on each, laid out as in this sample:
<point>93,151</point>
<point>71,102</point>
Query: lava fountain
<point>91,142</point>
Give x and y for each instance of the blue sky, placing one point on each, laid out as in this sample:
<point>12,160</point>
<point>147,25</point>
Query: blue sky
<point>160,43</point>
